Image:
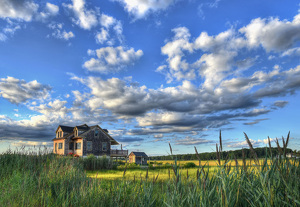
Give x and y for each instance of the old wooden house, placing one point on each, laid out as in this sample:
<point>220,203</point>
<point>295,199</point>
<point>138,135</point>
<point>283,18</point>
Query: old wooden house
<point>83,140</point>
<point>138,158</point>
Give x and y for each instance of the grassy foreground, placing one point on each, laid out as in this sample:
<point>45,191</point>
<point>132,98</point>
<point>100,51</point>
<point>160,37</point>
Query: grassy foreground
<point>49,180</point>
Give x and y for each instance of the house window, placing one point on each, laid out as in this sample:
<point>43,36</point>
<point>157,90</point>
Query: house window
<point>104,146</point>
<point>71,145</point>
<point>76,133</point>
<point>78,145</point>
<point>60,145</point>
<point>89,146</point>
<point>55,147</point>
<point>96,133</point>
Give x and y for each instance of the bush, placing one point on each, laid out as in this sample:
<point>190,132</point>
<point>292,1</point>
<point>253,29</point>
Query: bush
<point>91,162</point>
<point>189,165</point>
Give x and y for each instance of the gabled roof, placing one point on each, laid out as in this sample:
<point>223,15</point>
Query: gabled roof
<point>139,154</point>
<point>70,135</point>
<point>86,129</point>
<point>65,128</point>
<point>105,131</point>
<point>83,127</point>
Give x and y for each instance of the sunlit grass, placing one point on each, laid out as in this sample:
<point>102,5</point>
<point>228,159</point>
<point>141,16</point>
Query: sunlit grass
<point>28,179</point>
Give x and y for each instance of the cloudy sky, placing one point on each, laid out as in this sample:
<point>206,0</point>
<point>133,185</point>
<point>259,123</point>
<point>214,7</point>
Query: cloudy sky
<point>151,71</point>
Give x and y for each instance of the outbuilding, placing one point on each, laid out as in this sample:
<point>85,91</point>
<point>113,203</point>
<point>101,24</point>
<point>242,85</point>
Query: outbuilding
<point>139,158</point>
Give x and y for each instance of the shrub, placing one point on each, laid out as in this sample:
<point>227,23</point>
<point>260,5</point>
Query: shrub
<point>189,165</point>
<point>91,162</point>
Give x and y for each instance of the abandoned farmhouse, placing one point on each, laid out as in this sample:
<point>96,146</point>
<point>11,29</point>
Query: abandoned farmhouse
<point>83,140</point>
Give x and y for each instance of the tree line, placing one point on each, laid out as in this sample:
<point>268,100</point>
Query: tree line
<point>261,152</point>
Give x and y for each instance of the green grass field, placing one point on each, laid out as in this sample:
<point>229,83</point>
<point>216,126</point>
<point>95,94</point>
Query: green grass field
<point>138,174</point>
<point>28,179</point>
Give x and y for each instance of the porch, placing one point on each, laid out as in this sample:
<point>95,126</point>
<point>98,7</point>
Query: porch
<point>118,153</point>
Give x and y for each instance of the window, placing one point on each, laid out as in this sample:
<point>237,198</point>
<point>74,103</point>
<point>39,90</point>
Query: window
<point>89,146</point>
<point>55,147</point>
<point>96,133</point>
<point>71,145</point>
<point>104,146</point>
<point>76,133</point>
<point>60,145</point>
<point>78,145</point>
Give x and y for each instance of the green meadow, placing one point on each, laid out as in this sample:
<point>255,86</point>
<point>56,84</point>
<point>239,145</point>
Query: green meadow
<point>43,179</point>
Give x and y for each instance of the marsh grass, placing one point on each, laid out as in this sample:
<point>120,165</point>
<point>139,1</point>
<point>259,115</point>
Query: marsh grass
<point>42,179</point>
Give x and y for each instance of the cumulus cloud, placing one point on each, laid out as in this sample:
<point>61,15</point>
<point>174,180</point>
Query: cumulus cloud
<point>244,144</point>
<point>49,10</point>
<point>59,32</point>
<point>112,59</point>
<point>111,30</point>
<point>19,91</point>
<point>140,9</point>
<point>272,34</point>
<point>218,55</point>
<point>85,18</point>
<point>21,10</point>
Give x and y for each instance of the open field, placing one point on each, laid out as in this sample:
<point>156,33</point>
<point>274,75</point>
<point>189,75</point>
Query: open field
<point>165,174</point>
<point>28,179</point>
<point>211,163</point>
<point>138,174</point>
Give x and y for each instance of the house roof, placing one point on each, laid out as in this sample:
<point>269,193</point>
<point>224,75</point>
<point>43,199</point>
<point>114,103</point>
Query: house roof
<point>83,127</point>
<point>140,154</point>
<point>86,129</point>
<point>70,135</point>
<point>65,128</point>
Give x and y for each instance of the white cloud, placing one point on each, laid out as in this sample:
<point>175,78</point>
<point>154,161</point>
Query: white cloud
<point>273,34</point>
<point>3,37</point>
<point>111,30</point>
<point>294,51</point>
<point>218,56</point>
<point>112,59</point>
<point>59,32</point>
<point>141,8</point>
<point>107,21</point>
<point>18,91</point>
<point>22,10</point>
<point>102,36</point>
<point>49,10</point>
<point>255,143</point>
<point>85,18</point>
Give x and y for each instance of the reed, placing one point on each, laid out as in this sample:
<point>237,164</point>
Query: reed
<point>41,179</point>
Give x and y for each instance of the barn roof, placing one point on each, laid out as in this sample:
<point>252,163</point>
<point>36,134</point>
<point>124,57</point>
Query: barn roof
<point>139,154</point>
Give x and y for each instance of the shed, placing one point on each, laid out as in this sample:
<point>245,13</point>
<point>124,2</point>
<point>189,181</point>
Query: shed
<point>138,158</point>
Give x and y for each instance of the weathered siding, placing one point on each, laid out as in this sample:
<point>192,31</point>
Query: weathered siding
<point>97,142</point>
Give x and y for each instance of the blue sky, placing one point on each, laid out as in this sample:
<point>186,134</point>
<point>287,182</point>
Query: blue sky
<point>152,72</point>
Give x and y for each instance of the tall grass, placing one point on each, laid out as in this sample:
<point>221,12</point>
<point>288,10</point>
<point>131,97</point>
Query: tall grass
<point>47,180</point>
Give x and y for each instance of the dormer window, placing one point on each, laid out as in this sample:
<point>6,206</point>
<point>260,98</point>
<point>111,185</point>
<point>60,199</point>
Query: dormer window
<point>76,133</point>
<point>59,134</point>
<point>96,133</point>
